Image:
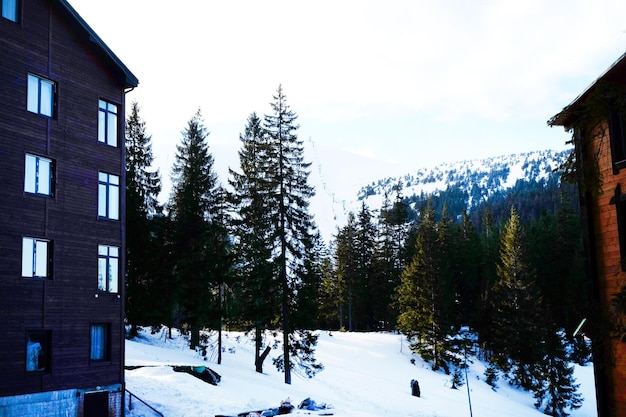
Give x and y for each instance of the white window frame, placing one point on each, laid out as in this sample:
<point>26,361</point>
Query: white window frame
<point>41,95</point>
<point>108,268</point>
<point>38,175</point>
<point>107,123</point>
<point>36,257</point>
<point>10,9</point>
<point>108,196</point>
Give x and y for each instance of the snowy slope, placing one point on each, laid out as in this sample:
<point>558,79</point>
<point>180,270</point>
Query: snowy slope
<point>365,375</point>
<point>478,178</point>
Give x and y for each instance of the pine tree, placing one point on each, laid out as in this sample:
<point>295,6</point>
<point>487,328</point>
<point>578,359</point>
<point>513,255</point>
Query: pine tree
<point>288,194</point>
<point>469,258</point>
<point>420,297</point>
<point>390,256</point>
<point>365,245</point>
<point>331,295</point>
<point>347,270</point>
<point>556,389</point>
<point>143,186</point>
<point>257,288</point>
<point>516,332</point>
<point>489,246</point>
<point>192,211</point>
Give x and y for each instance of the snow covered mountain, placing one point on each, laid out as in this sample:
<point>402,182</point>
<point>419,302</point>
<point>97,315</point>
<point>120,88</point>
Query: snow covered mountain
<point>478,178</point>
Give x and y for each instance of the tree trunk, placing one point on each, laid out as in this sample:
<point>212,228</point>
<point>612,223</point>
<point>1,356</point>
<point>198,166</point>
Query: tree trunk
<point>194,340</point>
<point>257,341</point>
<point>261,359</point>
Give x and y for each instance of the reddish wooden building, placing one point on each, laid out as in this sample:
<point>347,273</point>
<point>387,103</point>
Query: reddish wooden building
<point>597,119</point>
<point>62,93</point>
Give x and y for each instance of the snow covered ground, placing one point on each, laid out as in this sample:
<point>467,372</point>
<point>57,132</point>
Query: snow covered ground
<point>365,375</point>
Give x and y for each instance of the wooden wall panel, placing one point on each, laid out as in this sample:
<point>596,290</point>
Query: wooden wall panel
<point>46,43</point>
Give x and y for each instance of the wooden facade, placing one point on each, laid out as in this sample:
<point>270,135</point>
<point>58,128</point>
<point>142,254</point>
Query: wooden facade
<point>61,328</point>
<point>596,119</point>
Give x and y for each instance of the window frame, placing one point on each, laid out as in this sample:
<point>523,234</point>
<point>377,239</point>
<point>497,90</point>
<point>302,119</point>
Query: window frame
<point>619,200</point>
<point>36,261</point>
<point>16,10</point>
<point>43,339</point>
<point>34,104</point>
<point>100,342</point>
<point>108,196</point>
<point>108,123</point>
<point>32,179</point>
<point>109,269</point>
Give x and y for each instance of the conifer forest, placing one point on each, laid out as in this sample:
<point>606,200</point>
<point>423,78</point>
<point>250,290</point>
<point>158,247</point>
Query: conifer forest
<point>502,279</point>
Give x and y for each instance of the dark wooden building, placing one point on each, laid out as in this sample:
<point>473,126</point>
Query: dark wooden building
<point>597,120</point>
<point>62,93</point>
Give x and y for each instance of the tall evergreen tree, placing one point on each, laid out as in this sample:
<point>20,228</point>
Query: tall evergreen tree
<point>490,248</point>
<point>192,210</point>
<point>257,288</point>
<point>347,269</point>
<point>516,330</point>
<point>390,256</point>
<point>365,245</point>
<point>288,194</point>
<point>421,298</point>
<point>469,259</point>
<point>143,186</point>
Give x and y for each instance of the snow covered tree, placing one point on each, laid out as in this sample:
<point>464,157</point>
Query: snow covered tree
<point>143,186</point>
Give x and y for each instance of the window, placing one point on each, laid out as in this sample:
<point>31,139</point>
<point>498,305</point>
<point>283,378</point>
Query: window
<point>108,196</point>
<point>100,336</point>
<point>9,9</point>
<point>108,268</point>
<point>38,174</point>
<point>107,123</point>
<point>40,95</point>
<point>619,200</point>
<point>36,258</point>
<point>37,351</point>
<point>617,133</point>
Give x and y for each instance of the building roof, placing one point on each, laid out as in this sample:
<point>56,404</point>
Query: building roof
<point>126,76</point>
<point>616,74</point>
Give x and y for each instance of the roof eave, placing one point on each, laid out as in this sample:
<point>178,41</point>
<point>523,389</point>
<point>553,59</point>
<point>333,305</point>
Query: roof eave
<point>565,117</point>
<point>129,79</point>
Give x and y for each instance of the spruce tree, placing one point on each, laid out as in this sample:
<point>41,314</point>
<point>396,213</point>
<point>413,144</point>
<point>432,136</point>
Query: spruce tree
<point>556,390</point>
<point>368,289</point>
<point>469,258</point>
<point>143,252</point>
<point>516,332</point>
<point>257,288</point>
<point>192,211</point>
<point>347,270</point>
<point>288,194</point>
<point>390,256</point>
<point>421,299</point>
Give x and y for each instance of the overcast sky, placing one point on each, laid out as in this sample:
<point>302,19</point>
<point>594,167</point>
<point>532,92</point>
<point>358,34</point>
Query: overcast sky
<point>407,84</point>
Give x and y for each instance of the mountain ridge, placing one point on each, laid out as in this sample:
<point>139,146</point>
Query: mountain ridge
<point>479,178</point>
